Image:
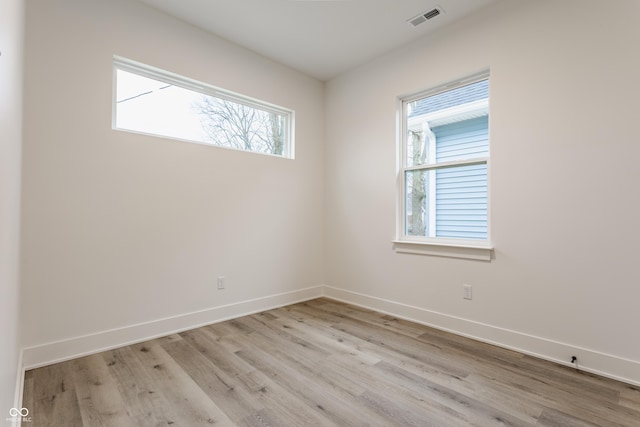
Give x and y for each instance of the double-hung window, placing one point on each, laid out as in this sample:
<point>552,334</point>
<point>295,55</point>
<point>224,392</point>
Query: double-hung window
<point>443,166</point>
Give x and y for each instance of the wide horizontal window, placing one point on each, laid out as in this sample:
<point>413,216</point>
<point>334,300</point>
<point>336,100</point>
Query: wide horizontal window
<point>444,159</point>
<point>152,101</point>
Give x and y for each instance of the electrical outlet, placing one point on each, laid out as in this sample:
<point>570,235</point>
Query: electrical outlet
<point>220,282</point>
<point>467,292</point>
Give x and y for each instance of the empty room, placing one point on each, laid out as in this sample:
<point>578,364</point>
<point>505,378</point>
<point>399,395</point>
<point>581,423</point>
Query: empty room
<point>319,212</point>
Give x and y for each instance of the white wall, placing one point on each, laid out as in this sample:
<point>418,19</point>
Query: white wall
<point>11,59</point>
<point>122,229</point>
<point>564,183</point>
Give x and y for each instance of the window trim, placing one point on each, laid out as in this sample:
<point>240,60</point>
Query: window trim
<point>436,246</point>
<point>445,248</point>
<point>151,72</point>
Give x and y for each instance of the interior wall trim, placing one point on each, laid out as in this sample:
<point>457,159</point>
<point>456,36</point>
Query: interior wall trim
<point>71,348</point>
<point>591,361</point>
<point>19,391</point>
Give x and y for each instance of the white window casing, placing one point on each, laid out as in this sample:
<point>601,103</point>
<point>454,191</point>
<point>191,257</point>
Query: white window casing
<point>476,111</point>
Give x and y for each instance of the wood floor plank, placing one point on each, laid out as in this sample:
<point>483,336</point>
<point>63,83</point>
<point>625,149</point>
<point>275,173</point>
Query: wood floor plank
<point>386,322</point>
<point>553,418</point>
<point>188,401</point>
<point>53,400</point>
<point>287,407</point>
<point>532,390</point>
<point>401,414</point>
<point>235,392</point>
<point>495,396</point>
<point>455,383</point>
<point>336,342</point>
<point>630,398</point>
<point>99,398</point>
<point>335,403</point>
<point>301,346</point>
<point>385,344</point>
<point>491,416</point>
<point>473,411</point>
<point>262,418</point>
<point>484,354</point>
<point>368,378</point>
<point>220,387</point>
<point>322,363</point>
<point>209,346</point>
<point>146,403</point>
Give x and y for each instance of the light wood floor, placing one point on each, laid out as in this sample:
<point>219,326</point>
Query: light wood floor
<point>321,363</point>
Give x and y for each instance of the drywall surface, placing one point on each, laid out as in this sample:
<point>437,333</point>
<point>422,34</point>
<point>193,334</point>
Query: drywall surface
<point>11,59</point>
<point>122,229</point>
<point>563,182</point>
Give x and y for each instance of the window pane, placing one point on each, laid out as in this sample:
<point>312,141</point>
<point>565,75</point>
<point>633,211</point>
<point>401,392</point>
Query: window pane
<point>447,202</point>
<point>462,140</point>
<point>418,147</point>
<point>451,125</point>
<point>151,106</point>
<point>417,203</point>
<point>461,202</point>
<point>229,124</point>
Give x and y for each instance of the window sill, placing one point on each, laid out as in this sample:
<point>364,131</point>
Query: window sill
<point>474,251</point>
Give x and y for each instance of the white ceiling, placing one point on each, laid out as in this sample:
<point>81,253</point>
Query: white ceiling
<point>321,38</point>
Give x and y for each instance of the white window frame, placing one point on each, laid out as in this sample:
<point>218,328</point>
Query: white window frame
<point>437,246</point>
<point>128,65</point>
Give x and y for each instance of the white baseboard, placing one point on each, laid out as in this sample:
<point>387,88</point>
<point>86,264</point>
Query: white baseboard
<point>17,399</point>
<point>59,351</point>
<point>606,365</point>
<point>595,362</point>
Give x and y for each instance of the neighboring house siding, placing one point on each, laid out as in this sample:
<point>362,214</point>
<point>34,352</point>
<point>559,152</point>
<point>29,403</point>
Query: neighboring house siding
<point>462,140</point>
<point>462,95</point>
<point>461,193</point>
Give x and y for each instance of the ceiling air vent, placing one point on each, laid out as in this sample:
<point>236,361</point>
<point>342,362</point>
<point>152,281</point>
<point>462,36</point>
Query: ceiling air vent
<point>424,17</point>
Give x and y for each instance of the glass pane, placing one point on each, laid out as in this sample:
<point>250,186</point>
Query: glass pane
<point>451,125</point>
<point>447,202</point>
<point>418,147</point>
<point>150,106</point>
<point>466,139</point>
<point>154,107</point>
<point>461,202</point>
<point>229,124</point>
<point>417,203</point>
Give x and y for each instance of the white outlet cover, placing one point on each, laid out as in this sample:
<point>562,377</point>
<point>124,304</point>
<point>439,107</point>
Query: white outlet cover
<point>468,292</point>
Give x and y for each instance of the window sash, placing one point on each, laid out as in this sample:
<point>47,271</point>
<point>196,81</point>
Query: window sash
<point>409,98</point>
<point>465,162</point>
<point>442,203</point>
